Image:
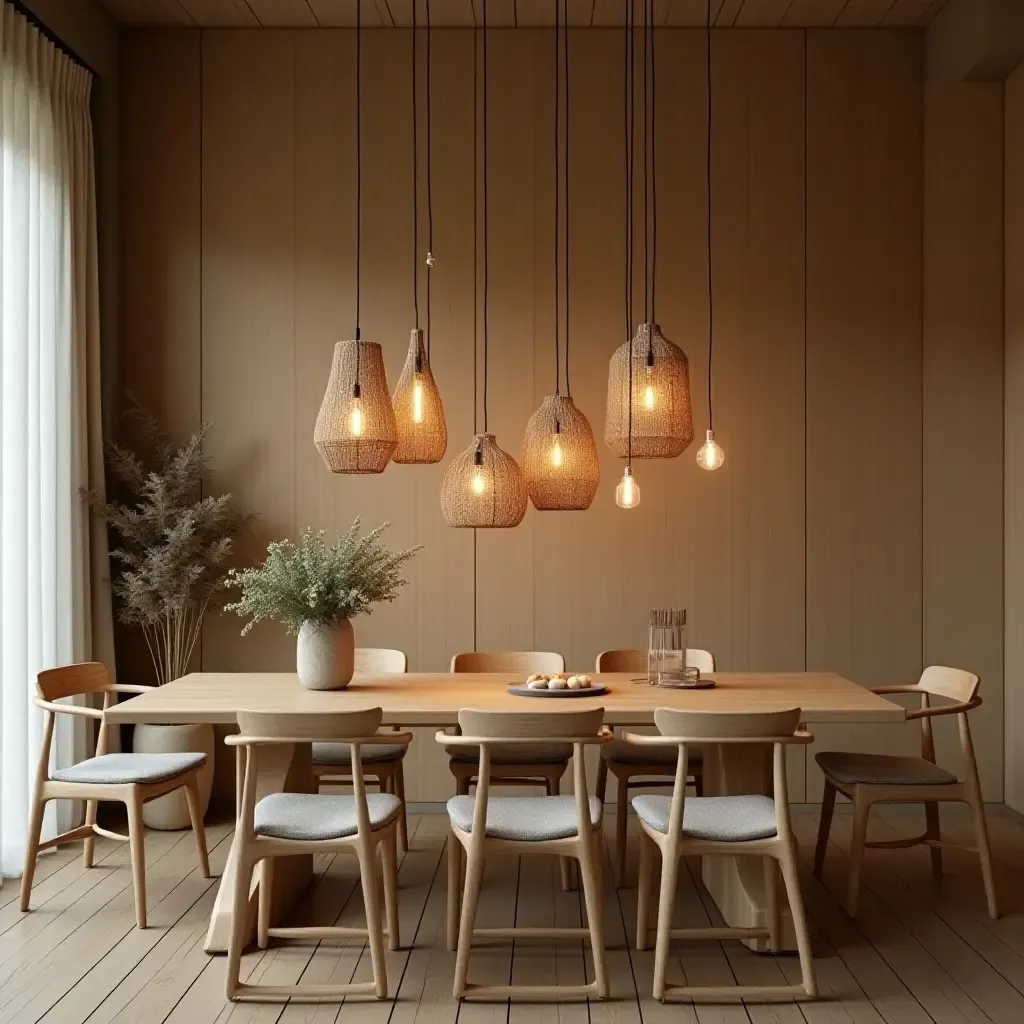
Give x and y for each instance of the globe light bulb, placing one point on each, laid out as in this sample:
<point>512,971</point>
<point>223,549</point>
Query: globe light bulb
<point>417,401</point>
<point>557,455</point>
<point>355,419</point>
<point>710,455</point>
<point>627,494</point>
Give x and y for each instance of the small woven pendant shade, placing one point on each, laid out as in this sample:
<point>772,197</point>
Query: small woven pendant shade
<point>483,487</point>
<point>419,415</point>
<point>560,457</point>
<point>361,442</point>
<point>662,416</point>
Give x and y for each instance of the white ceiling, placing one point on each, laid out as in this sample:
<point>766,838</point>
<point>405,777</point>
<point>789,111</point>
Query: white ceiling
<point>518,13</point>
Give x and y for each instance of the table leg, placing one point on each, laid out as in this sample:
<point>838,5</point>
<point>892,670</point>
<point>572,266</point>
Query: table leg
<point>282,769</point>
<point>738,883</point>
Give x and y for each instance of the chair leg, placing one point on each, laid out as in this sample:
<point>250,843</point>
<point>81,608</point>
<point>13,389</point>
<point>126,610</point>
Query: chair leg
<point>645,885</point>
<point>591,873</point>
<point>474,878</point>
<point>403,821</point>
<point>666,908</point>
<point>239,912</point>
<point>861,810</point>
<point>35,828</point>
<point>932,831</point>
<point>89,848</point>
<point>621,811</point>
<point>984,853</point>
<point>264,902</point>
<point>137,842</point>
<point>771,892</point>
<point>601,789</point>
<point>389,859</point>
<point>371,884</point>
<point>828,805</point>
<point>194,805</point>
<point>787,862</point>
<point>454,889</point>
<point>565,864</point>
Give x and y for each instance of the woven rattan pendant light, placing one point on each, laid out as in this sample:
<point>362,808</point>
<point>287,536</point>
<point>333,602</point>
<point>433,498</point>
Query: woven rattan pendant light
<point>559,454</point>
<point>419,414</point>
<point>648,373</point>
<point>355,429</point>
<point>483,486</point>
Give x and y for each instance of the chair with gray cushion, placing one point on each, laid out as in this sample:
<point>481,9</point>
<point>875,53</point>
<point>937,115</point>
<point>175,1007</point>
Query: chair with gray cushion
<point>563,826</point>
<point>131,779</point>
<point>751,825</point>
<point>647,767</point>
<point>382,762</point>
<point>868,779</point>
<point>286,824</point>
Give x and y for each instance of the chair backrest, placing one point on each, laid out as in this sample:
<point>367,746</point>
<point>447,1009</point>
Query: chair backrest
<point>508,661</point>
<point>73,680</point>
<point>635,660</point>
<point>380,661</point>
<point>952,683</point>
<point>960,687</point>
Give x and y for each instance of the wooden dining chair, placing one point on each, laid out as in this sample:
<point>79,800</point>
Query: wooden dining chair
<point>646,767</point>
<point>564,826</point>
<point>131,779</point>
<point>382,762</point>
<point>286,824</point>
<point>745,825</point>
<point>868,779</point>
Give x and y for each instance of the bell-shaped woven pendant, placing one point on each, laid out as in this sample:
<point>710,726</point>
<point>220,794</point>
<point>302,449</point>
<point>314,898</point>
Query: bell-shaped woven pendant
<point>662,415</point>
<point>419,415</point>
<point>483,487</point>
<point>355,428</point>
<point>560,457</point>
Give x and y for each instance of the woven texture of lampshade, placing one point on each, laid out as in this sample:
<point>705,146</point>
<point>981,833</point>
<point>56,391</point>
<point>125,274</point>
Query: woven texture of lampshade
<point>425,441</point>
<point>661,432</point>
<point>569,480</point>
<point>371,451</point>
<point>499,500</point>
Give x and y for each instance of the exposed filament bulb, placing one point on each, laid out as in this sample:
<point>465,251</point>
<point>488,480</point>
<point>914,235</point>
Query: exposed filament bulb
<point>649,387</point>
<point>557,455</point>
<point>627,494</point>
<point>478,483</point>
<point>417,400</point>
<point>711,455</point>
<point>355,415</point>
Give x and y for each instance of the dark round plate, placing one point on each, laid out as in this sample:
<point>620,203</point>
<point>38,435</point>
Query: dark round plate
<point>593,690</point>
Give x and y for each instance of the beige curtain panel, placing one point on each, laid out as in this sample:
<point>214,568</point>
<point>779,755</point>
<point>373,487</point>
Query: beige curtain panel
<point>54,602</point>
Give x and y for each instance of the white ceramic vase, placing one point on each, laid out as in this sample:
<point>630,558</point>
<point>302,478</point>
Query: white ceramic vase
<point>325,655</point>
<point>170,812</point>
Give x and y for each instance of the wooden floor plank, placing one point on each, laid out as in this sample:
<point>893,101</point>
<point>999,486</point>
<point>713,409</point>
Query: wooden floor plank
<point>50,863</point>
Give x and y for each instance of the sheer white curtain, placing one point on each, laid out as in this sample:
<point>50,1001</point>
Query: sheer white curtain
<point>49,400</point>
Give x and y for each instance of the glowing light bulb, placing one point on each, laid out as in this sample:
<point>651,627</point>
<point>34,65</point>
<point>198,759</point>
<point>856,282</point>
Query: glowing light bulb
<point>627,494</point>
<point>417,401</point>
<point>649,391</point>
<point>557,455</point>
<point>478,483</point>
<point>355,419</point>
<point>710,455</point>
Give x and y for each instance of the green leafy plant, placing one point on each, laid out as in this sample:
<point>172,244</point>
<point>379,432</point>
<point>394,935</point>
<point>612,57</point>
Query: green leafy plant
<point>174,546</point>
<point>313,581</point>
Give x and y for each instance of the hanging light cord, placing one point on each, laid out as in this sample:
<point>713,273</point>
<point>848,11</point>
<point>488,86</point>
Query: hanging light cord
<point>628,108</point>
<point>654,171</point>
<point>415,184</point>
<point>645,26</point>
<point>565,62</point>
<point>711,303</point>
<point>558,367</point>
<point>484,27</point>
<point>359,184</point>
<point>430,197</point>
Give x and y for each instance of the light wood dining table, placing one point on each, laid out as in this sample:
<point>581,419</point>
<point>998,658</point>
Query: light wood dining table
<point>435,699</point>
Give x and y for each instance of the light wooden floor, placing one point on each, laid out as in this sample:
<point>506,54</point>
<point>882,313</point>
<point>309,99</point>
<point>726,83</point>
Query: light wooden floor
<point>916,953</point>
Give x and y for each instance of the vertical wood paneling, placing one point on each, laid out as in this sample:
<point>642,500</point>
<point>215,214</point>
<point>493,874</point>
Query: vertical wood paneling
<point>864,173</point>
<point>963,399</point>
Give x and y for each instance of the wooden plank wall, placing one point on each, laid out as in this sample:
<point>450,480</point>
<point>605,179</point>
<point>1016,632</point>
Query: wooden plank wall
<point>809,548</point>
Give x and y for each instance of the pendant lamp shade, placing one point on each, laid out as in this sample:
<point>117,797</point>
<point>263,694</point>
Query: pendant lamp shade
<point>560,457</point>
<point>662,416</point>
<point>355,429</point>
<point>483,487</point>
<point>419,415</point>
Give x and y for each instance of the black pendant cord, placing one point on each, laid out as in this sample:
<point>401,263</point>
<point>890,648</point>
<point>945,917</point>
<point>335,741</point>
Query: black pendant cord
<point>415,184</point>
<point>711,292</point>
<point>645,32</point>
<point>359,185</point>
<point>486,304</point>
<point>557,222</point>
<point>654,170</point>
<point>627,104</point>
<point>565,62</point>
<point>430,196</point>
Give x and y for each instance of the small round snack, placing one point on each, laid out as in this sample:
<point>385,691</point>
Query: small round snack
<point>537,684</point>
<point>584,681</point>
<point>557,683</point>
<point>535,678</point>
<point>573,683</point>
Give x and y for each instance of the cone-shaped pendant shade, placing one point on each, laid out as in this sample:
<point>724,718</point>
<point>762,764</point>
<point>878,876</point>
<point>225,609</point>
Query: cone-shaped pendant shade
<point>419,415</point>
<point>662,416</point>
<point>355,433</point>
<point>483,487</point>
<point>560,457</point>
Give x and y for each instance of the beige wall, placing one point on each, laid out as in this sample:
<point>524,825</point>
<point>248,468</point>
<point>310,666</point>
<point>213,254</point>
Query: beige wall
<point>834,373</point>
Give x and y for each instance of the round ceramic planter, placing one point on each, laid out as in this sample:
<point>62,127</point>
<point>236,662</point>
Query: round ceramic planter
<point>170,812</point>
<point>325,655</point>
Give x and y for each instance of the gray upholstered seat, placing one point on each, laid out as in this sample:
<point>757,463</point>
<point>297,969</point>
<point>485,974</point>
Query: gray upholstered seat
<point>310,817</point>
<point>721,819</point>
<point>882,769</point>
<point>516,753</point>
<point>120,769</point>
<point>662,753</point>
<point>523,818</point>
<point>370,753</point>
